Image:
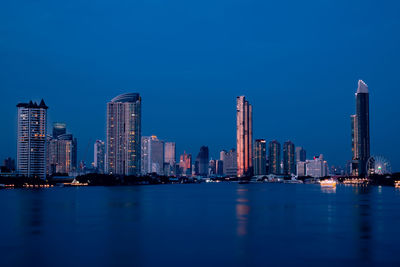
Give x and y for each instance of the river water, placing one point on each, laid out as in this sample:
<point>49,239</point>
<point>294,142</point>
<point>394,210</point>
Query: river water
<point>216,224</point>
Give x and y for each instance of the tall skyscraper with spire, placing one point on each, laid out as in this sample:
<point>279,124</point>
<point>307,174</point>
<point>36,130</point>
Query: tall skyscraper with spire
<point>124,134</point>
<point>31,144</point>
<point>360,131</point>
<point>244,136</point>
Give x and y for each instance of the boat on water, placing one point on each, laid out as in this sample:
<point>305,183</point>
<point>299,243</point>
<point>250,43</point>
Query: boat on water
<point>328,183</point>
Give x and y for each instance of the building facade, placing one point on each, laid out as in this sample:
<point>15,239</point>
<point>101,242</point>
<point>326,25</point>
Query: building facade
<point>124,135</point>
<point>301,154</point>
<point>202,162</point>
<point>229,159</point>
<point>99,156</point>
<point>317,167</point>
<point>185,165</point>
<point>289,164</point>
<point>360,131</point>
<point>31,144</point>
<point>260,157</point>
<point>152,155</point>
<point>61,154</point>
<point>169,158</point>
<point>274,157</point>
<point>244,136</point>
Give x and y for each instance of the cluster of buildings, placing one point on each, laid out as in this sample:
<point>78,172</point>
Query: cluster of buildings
<point>126,152</point>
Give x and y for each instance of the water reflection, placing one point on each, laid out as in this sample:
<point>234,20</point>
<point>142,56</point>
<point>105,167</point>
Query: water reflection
<point>363,218</point>
<point>328,190</point>
<point>242,211</point>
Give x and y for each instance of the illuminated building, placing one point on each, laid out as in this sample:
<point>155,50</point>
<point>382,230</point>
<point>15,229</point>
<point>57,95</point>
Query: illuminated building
<point>244,136</point>
<point>260,157</point>
<point>289,164</point>
<point>99,156</point>
<point>360,131</point>
<point>317,167</point>
<point>124,135</point>
<point>185,164</point>
<point>169,158</point>
<point>61,154</point>
<point>229,159</point>
<point>152,155</point>
<point>31,144</point>
<point>274,157</point>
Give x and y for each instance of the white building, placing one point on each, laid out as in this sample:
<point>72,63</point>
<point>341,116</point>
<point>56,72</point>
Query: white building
<point>301,168</point>
<point>31,143</point>
<point>317,167</point>
<point>152,155</point>
<point>124,134</point>
<point>229,159</point>
<point>99,156</point>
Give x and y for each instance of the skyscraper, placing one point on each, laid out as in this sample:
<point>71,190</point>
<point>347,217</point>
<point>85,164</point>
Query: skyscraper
<point>124,135</point>
<point>202,160</point>
<point>301,154</point>
<point>244,136</point>
<point>152,155</point>
<point>31,144</point>
<point>99,156</point>
<point>289,165</point>
<point>260,157</point>
<point>169,158</point>
<point>274,157</point>
<point>61,154</point>
<point>360,130</point>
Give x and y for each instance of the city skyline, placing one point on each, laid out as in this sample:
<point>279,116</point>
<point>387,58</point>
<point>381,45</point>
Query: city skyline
<point>192,71</point>
<point>59,128</point>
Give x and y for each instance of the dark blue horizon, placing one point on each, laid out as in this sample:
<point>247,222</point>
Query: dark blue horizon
<point>297,63</point>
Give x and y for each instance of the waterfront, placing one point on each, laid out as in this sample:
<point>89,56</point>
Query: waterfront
<point>201,224</point>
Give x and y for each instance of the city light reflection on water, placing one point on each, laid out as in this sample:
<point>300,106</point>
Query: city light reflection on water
<point>198,225</point>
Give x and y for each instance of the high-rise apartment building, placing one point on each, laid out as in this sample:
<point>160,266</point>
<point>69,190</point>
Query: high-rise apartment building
<point>289,164</point>
<point>124,135</point>
<point>260,157</point>
<point>274,157</point>
<point>99,156</point>
<point>31,144</point>
<point>152,155</point>
<point>244,136</point>
<point>360,131</point>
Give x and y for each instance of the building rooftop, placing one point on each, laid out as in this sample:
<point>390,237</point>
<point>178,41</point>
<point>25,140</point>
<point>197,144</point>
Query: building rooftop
<point>33,105</point>
<point>362,87</point>
<point>126,98</point>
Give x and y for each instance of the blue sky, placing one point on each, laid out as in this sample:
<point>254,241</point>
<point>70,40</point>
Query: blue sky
<point>298,63</point>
